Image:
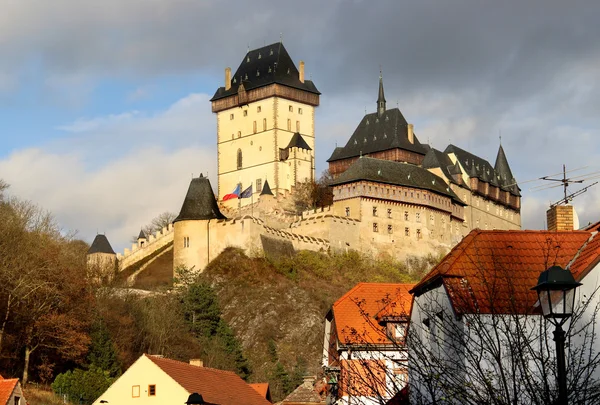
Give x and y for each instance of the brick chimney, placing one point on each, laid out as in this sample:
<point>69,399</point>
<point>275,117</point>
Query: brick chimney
<point>411,134</point>
<point>227,78</point>
<point>301,74</point>
<point>196,362</point>
<point>560,218</point>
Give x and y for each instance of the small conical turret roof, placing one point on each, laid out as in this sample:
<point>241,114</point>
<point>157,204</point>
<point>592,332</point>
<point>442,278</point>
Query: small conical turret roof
<point>142,234</point>
<point>380,97</point>
<point>502,167</point>
<point>266,190</point>
<point>100,245</point>
<point>199,202</point>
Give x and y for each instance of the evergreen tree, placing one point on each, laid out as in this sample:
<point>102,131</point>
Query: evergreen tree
<point>103,355</point>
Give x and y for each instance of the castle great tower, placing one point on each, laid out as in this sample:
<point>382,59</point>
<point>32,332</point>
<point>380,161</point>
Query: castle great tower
<point>265,123</point>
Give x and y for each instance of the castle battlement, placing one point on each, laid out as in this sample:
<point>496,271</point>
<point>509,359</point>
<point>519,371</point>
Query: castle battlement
<point>139,252</point>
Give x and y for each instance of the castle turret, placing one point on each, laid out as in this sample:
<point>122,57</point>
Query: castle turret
<point>380,97</point>
<point>191,239</point>
<point>101,259</point>
<point>142,240</point>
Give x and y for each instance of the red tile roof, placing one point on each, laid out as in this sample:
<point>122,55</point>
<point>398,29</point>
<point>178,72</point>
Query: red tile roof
<point>357,313</point>
<point>261,388</point>
<point>493,271</point>
<point>6,389</point>
<point>216,386</point>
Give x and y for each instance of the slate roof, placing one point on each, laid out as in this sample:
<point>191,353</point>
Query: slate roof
<point>142,234</point>
<point>216,386</point>
<point>376,134</point>
<point>304,394</point>
<point>266,190</point>
<point>200,202</point>
<point>7,386</point>
<point>356,311</point>
<point>437,159</point>
<point>100,245</point>
<point>264,66</point>
<point>396,173</point>
<point>298,142</point>
<point>493,271</point>
<point>483,170</point>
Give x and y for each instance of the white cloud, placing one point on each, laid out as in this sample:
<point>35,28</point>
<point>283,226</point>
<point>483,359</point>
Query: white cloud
<point>143,169</point>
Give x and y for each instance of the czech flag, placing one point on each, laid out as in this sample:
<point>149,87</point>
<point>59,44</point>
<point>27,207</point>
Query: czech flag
<point>234,194</point>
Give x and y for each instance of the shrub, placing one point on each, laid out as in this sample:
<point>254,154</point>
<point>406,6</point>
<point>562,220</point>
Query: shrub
<point>81,386</point>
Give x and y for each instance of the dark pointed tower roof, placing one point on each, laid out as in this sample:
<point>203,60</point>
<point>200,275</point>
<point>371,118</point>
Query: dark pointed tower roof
<point>200,202</point>
<point>142,234</point>
<point>380,97</point>
<point>298,142</point>
<point>266,190</point>
<point>502,168</point>
<point>100,245</point>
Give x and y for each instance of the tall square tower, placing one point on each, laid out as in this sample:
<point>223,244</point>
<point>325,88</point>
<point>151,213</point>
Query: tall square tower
<point>265,123</point>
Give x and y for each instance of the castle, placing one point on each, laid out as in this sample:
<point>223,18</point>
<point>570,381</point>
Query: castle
<point>392,195</point>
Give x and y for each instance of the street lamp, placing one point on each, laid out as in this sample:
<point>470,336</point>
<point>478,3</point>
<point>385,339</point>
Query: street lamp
<point>556,292</point>
<point>194,399</point>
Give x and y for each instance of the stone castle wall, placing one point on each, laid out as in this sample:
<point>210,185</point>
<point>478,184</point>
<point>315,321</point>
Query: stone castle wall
<point>138,253</point>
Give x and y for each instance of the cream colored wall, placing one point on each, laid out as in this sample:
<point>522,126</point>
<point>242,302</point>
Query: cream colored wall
<point>155,242</point>
<point>260,150</point>
<point>143,373</point>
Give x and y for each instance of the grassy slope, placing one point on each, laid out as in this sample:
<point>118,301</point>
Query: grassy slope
<point>285,300</point>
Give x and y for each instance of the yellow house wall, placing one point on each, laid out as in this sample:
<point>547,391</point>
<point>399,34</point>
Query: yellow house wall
<point>143,373</point>
<point>260,149</point>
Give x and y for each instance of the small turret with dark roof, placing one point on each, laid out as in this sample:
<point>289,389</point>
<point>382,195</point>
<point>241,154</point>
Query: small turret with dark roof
<point>380,97</point>
<point>506,178</point>
<point>142,235</point>
<point>100,245</point>
<point>200,202</point>
<point>266,190</point>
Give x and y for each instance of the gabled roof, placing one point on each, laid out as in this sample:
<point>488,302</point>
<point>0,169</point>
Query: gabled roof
<point>438,159</point>
<point>493,271</point>
<point>305,394</point>
<point>100,245</point>
<point>396,173</point>
<point>298,141</point>
<point>200,202</point>
<point>215,386</point>
<point>379,133</point>
<point>263,66</point>
<point>262,389</point>
<point>356,312</point>
<point>7,386</point>
<point>266,190</point>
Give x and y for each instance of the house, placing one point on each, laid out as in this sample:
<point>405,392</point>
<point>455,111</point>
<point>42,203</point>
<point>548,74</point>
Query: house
<point>11,392</point>
<point>310,392</point>
<point>158,380</point>
<point>364,352</point>
<point>263,389</point>
<point>476,330</point>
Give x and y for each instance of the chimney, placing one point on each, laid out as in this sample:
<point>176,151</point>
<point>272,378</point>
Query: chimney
<point>227,78</point>
<point>301,75</point>
<point>309,380</point>
<point>196,362</point>
<point>560,218</point>
<point>411,134</point>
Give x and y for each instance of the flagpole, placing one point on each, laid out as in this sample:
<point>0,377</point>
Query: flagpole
<point>252,204</point>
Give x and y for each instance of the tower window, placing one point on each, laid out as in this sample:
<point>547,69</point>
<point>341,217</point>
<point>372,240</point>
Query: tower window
<point>297,126</point>
<point>406,215</point>
<point>186,241</point>
<point>230,116</point>
<point>418,217</point>
<point>347,211</point>
<point>289,124</point>
<point>258,109</point>
<point>264,124</point>
<point>390,229</point>
<point>389,212</point>
<point>245,113</point>
<point>375,227</point>
<point>254,126</point>
<point>259,185</point>
<point>300,111</point>
<point>418,234</point>
<point>239,159</point>
<point>291,108</point>
<point>374,211</point>
<point>239,134</point>
<point>406,231</point>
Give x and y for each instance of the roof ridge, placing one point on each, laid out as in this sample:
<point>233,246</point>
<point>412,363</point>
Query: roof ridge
<point>161,358</point>
<point>581,248</point>
<point>363,283</point>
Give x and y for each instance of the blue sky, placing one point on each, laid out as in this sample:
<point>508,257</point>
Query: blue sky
<point>105,113</point>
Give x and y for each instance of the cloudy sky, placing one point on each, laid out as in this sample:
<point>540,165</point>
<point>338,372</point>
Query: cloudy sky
<point>104,104</point>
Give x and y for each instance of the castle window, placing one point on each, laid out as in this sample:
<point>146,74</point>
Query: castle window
<point>418,217</point>
<point>406,231</point>
<point>300,111</point>
<point>239,134</point>
<point>418,234</point>
<point>232,136</point>
<point>431,219</point>
<point>389,212</point>
<point>254,126</point>
<point>390,230</point>
<point>289,124</point>
<point>245,113</point>
<point>406,215</point>
<point>259,185</point>
<point>258,109</point>
<point>375,227</point>
<point>239,159</point>
<point>291,108</point>
<point>347,211</point>
<point>297,126</point>
<point>374,211</point>
<point>186,241</point>
<point>264,124</point>
<point>230,116</point>
<point>152,390</point>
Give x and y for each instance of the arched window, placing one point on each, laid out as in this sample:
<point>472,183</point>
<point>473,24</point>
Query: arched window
<point>264,124</point>
<point>239,159</point>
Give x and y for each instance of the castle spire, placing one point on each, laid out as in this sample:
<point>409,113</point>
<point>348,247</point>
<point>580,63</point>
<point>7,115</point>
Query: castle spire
<point>381,97</point>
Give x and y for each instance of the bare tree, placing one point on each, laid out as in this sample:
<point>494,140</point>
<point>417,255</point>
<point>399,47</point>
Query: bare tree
<point>157,224</point>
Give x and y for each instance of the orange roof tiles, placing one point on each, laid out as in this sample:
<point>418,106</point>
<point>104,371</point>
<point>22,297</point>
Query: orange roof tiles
<point>216,386</point>
<point>6,388</point>
<point>261,388</point>
<point>356,314</point>
<point>493,271</point>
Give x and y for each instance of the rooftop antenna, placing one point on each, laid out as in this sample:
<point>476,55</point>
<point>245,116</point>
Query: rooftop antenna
<point>565,182</point>
<point>281,37</point>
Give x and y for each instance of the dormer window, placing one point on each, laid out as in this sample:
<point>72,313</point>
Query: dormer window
<point>246,76</point>
<point>270,69</point>
<point>257,73</point>
<point>271,52</point>
<point>259,56</point>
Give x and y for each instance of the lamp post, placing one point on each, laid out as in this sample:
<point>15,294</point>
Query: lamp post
<point>556,292</point>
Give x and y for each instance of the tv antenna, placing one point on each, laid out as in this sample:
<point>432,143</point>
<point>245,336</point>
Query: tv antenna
<point>565,182</point>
